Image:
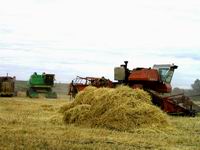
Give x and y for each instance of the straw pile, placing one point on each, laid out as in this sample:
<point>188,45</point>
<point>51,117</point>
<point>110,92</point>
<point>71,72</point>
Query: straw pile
<point>121,109</point>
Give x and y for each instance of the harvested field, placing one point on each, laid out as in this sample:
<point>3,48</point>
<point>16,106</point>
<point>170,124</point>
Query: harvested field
<point>122,109</point>
<point>36,124</point>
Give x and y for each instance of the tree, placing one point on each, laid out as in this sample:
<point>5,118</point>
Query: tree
<point>196,86</point>
<point>177,91</point>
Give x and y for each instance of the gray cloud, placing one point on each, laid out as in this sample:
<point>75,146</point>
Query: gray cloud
<point>183,53</point>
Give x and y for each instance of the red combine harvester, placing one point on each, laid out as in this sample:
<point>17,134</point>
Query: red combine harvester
<point>156,81</point>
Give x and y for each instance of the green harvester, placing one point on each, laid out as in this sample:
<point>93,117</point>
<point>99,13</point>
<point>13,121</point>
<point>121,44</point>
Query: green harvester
<point>41,83</point>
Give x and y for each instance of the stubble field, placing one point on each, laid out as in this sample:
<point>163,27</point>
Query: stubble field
<point>37,124</point>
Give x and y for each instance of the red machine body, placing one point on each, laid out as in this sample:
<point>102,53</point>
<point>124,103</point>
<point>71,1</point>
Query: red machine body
<point>144,75</point>
<point>148,78</point>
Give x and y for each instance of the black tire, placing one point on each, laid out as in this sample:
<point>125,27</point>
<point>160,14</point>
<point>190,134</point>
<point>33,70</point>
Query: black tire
<point>27,93</point>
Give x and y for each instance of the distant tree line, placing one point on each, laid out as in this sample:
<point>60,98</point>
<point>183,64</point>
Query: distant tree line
<point>193,92</point>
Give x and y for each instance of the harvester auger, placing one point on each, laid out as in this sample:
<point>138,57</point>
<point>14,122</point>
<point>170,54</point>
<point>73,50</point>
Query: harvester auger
<point>7,86</point>
<point>79,83</point>
<point>41,83</point>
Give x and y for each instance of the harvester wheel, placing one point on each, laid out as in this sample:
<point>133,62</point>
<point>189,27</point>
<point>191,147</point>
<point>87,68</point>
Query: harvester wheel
<point>74,92</point>
<point>15,93</point>
<point>27,93</point>
<point>192,113</point>
<point>31,93</point>
<point>51,94</point>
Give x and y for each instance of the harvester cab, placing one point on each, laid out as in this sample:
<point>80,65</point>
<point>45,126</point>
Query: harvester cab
<point>165,72</point>
<point>41,83</point>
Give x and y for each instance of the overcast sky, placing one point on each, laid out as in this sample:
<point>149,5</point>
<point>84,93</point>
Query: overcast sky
<point>91,37</point>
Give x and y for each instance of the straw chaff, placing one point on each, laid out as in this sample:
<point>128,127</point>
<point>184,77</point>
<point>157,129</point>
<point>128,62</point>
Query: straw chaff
<point>77,114</point>
<point>121,109</point>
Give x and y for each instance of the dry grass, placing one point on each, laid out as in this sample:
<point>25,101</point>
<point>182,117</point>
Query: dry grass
<point>122,109</point>
<point>35,124</point>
